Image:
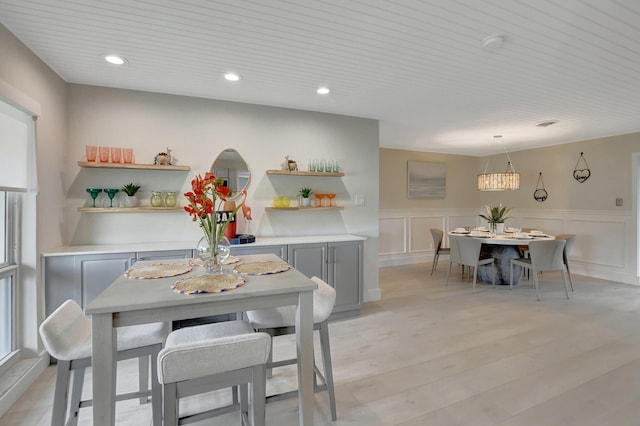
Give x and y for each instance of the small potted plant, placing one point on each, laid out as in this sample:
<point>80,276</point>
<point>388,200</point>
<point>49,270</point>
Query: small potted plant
<point>304,193</point>
<point>495,217</point>
<point>131,189</point>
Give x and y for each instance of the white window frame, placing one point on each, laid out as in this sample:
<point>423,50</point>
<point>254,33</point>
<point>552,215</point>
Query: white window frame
<point>10,269</point>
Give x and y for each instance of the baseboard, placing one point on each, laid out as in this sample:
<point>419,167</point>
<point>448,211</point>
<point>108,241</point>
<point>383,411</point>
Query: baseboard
<point>17,379</point>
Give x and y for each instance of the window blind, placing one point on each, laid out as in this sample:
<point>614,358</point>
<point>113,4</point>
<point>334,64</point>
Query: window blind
<point>17,149</point>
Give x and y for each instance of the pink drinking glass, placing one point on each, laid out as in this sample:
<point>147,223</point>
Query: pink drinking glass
<point>128,155</point>
<point>104,154</point>
<point>92,152</point>
<point>116,155</point>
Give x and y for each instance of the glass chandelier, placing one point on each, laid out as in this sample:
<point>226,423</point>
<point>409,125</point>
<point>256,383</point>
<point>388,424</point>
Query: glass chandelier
<point>508,180</point>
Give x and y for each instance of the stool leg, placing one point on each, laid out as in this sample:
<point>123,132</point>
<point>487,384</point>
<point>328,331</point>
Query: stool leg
<point>143,377</point>
<point>61,391</point>
<point>76,395</point>
<point>258,395</point>
<point>325,347</point>
<point>156,389</point>
<point>244,398</point>
<point>170,404</point>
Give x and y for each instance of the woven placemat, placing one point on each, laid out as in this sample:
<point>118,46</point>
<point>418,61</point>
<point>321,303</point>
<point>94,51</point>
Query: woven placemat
<point>215,283</point>
<point>158,270</point>
<point>261,268</point>
<point>228,261</point>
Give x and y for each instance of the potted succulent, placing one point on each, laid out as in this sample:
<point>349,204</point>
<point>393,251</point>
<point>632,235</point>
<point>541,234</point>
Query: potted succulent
<point>495,217</point>
<point>131,189</point>
<point>304,193</point>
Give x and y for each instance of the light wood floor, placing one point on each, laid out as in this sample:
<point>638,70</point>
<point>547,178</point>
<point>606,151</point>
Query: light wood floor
<point>427,354</point>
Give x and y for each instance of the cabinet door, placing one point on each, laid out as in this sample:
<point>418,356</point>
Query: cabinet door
<point>310,259</point>
<point>59,282</point>
<point>96,272</point>
<point>345,274</point>
<point>164,254</point>
<point>278,250</point>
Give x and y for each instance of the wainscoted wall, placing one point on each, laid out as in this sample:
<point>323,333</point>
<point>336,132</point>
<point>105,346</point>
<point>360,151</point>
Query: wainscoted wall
<point>604,247</point>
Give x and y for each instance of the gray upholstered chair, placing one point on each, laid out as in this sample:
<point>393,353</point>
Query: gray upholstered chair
<point>438,236</point>
<point>544,255</point>
<point>66,335</point>
<point>207,357</point>
<point>454,255</point>
<point>469,251</point>
<point>570,239</point>
<point>280,321</point>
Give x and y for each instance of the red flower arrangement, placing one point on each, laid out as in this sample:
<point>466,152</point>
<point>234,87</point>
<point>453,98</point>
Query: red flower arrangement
<point>206,192</point>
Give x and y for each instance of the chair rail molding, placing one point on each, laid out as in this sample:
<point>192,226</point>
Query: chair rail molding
<point>605,245</point>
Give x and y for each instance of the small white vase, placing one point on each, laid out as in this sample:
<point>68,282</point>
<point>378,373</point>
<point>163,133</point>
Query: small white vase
<point>131,201</point>
<point>306,201</point>
<point>499,228</point>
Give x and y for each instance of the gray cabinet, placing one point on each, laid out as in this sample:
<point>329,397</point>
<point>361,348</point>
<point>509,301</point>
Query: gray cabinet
<point>310,259</point>
<point>279,250</point>
<point>344,273</point>
<point>164,254</point>
<point>339,264</point>
<point>82,277</point>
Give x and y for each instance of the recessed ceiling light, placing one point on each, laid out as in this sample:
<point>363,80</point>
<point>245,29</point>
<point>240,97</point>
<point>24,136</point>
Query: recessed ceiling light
<point>323,91</point>
<point>230,76</point>
<point>546,123</point>
<point>493,42</point>
<point>115,59</point>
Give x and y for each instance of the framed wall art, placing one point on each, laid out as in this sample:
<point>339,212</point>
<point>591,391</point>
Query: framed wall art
<point>426,180</point>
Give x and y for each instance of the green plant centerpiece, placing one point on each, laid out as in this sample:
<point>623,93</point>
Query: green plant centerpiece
<point>304,193</point>
<point>495,215</point>
<point>130,189</point>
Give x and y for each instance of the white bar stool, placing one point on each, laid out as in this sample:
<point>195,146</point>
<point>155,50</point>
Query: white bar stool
<point>281,321</point>
<point>66,335</point>
<point>214,356</point>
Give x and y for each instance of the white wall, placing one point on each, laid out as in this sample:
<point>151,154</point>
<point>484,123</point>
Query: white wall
<point>197,130</point>
<point>604,246</point>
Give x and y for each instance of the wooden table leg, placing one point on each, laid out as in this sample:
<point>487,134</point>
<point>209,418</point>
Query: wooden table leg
<point>304,347</point>
<point>103,340</point>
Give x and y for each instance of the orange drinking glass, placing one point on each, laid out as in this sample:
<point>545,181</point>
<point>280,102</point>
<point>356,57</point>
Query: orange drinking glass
<point>92,152</point>
<point>319,198</point>
<point>104,154</point>
<point>128,155</point>
<point>116,155</point>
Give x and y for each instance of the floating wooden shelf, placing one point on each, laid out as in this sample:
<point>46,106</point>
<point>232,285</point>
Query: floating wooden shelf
<point>133,166</point>
<point>129,209</point>
<point>303,208</point>
<point>294,173</point>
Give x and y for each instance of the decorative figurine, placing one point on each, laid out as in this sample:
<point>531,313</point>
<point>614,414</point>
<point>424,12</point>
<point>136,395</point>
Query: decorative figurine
<point>163,158</point>
<point>289,165</point>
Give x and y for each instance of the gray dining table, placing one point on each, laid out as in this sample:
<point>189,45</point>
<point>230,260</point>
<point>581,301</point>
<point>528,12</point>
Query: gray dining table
<point>133,301</point>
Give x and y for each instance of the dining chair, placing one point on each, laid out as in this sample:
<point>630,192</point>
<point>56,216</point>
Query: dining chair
<point>281,321</point>
<point>66,335</point>
<point>214,356</point>
<point>454,255</point>
<point>438,236</point>
<point>570,239</point>
<point>468,249</point>
<point>544,255</point>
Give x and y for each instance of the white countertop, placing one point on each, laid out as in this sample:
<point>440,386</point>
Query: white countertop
<point>187,245</point>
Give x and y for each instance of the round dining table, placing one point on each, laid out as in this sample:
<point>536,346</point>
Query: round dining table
<point>502,248</point>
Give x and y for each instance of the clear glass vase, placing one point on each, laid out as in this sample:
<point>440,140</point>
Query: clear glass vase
<point>213,255</point>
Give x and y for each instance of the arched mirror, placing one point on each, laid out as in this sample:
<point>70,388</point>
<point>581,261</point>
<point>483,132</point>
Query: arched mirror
<point>231,167</point>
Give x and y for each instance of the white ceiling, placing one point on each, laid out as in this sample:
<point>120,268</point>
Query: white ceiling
<point>417,66</point>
